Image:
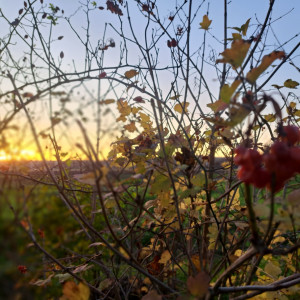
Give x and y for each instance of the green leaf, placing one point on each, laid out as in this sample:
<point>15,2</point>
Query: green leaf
<point>291,84</point>
<point>161,183</point>
<point>244,27</point>
<point>227,91</point>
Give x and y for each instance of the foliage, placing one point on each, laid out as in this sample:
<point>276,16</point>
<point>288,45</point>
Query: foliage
<point>161,216</point>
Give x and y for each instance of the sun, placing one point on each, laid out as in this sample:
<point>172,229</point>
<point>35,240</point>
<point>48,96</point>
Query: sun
<point>16,154</point>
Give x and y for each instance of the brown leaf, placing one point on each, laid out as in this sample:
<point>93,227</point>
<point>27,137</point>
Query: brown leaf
<point>138,99</point>
<point>155,268</point>
<point>152,295</point>
<point>130,127</point>
<point>198,286</point>
<point>131,73</point>
<point>72,291</point>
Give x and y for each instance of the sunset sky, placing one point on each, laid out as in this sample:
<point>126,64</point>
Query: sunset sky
<point>285,27</point>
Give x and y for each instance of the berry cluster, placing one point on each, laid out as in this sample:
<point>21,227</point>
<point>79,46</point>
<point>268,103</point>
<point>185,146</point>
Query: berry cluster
<point>275,167</point>
<point>22,269</point>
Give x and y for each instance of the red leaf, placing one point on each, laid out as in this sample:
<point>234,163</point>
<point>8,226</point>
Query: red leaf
<point>139,99</point>
<point>102,75</point>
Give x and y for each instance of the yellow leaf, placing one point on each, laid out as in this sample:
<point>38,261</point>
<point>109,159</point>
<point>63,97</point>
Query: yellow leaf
<point>123,107</point>
<point>131,73</point>
<point>217,106</point>
<point>130,127</point>
<point>237,114</point>
<point>236,54</point>
<point>196,262</point>
<point>122,118</point>
<point>107,101</point>
<point>165,257</point>
<point>135,110</point>
<point>72,291</point>
<point>144,118</point>
<point>270,118</point>
<point>181,107</point>
<point>164,198</point>
<point>205,23</point>
<point>267,60</point>
<point>227,91</point>
<point>291,84</point>
<point>272,270</point>
<point>236,36</point>
<point>175,97</point>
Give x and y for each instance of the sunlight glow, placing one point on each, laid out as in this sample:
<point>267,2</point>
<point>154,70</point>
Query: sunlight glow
<point>16,154</point>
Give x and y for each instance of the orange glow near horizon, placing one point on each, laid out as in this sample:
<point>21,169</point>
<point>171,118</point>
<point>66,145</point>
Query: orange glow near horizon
<point>34,155</point>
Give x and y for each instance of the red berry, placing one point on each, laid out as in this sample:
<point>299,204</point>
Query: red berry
<point>22,269</point>
<point>281,150</point>
<point>291,134</point>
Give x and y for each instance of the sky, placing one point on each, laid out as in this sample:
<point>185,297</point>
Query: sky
<point>285,26</point>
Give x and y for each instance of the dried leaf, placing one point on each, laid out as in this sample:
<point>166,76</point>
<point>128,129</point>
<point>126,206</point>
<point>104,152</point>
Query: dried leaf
<point>72,291</point>
<point>165,257</point>
<point>108,101</point>
<point>198,286</point>
<point>175,97</point>
<point>42,282</point>
<point>130,127</point>
<point>182,107</point>
<point>236,54</point>
<point>82,268</point>
<point>267,60</point>
<point>61,54</point>
<point>97,244</point>
<point>291,84</point>
<point>102,75</point>
<point>272,270</point>
<point>205,23</point>
<point>138,99</point>
<point>152,295</point>
<point>131,73</point>
<point>217,106</point>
